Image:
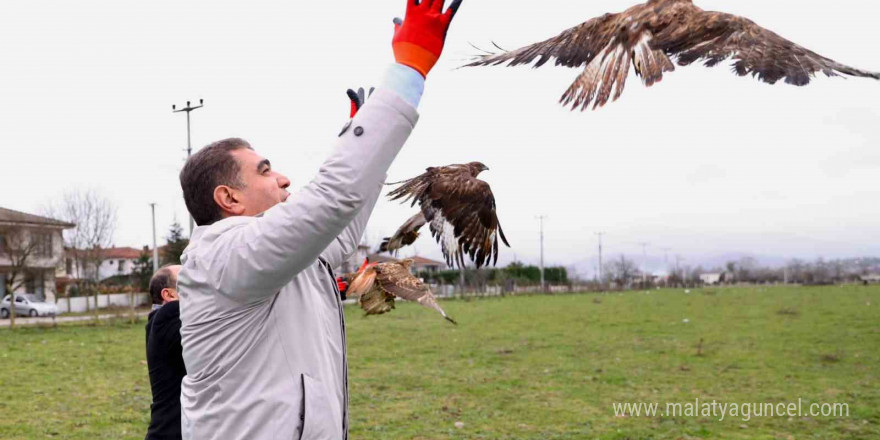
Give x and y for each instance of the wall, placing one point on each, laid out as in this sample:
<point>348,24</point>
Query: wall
<point>78,304</point>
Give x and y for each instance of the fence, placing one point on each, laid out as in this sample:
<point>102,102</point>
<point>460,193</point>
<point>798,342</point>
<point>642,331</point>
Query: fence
<point>78,304</point>
<point>453,290</point>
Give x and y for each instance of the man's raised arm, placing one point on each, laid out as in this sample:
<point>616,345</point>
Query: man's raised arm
<point>254,261</point>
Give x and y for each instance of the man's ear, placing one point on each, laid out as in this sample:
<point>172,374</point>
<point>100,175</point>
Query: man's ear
<point>228,200</point>
<point>169,295</point>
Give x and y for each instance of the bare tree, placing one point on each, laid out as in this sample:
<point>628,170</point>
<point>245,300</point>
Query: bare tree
<point>745,268</point>
<point>795,269</point>
<point>19,246</point>
<point>95,218</point>
<point>839,270</point>
<point>864,265</point>
<point>731,269</point>
<point>623,270</point>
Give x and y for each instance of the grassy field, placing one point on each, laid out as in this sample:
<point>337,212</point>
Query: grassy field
<point>542,367</point>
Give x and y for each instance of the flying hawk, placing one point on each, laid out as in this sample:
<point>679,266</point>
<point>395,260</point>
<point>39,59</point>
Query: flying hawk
<point>460,212</point>
<point>650,35</point>
<point>378,284</point>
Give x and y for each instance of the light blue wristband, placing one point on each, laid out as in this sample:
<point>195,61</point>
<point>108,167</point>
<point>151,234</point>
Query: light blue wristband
<point>406,82</point>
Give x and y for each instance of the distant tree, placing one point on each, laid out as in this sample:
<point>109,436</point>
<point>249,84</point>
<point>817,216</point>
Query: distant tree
<point>19,247</point>
<point>838,269</point>
<point>731,267</point>
<point>745,268</point>
<point>176,245</point>
<point>556,275</point>
<point>143,271</point>
<point>623,270</point>
<point>695,274</point>
<point>864,266</point>
<point>795,268</point>
<point>818,272</point>
<point>95,218</point>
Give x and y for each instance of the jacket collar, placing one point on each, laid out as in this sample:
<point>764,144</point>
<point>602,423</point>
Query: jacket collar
<point>209,233</point>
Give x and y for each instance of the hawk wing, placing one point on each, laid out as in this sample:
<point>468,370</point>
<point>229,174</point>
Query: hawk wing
<point>405,235</point>
<point>645,36</point>
<point>716,36</point>
<point>607,45</point>
<point>572,48</point>
<point>396,279</point>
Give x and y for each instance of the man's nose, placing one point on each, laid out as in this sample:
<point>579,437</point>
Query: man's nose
<point>283,181</point>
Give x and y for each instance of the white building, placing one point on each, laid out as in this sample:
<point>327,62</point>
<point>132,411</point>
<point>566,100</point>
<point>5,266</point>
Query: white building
<point>41,237</point>
<point>871,278</point>
<point>115,261</point>
<point>712,278</point>
<point>119,261</point>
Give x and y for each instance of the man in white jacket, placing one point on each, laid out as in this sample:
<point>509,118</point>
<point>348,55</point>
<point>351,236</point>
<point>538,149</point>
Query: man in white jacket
<point>263,330</point>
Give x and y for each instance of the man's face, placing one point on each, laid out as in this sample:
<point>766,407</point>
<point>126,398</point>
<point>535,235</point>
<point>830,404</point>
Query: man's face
<point>263,187</point>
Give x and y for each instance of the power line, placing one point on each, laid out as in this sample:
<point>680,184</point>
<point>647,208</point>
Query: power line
<point>189,108</point>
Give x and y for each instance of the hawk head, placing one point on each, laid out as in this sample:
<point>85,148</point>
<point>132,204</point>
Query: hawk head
<point>476,168</point>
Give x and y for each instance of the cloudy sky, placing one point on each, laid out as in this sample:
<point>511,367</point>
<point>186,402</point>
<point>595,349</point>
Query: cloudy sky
<point>705,163</point>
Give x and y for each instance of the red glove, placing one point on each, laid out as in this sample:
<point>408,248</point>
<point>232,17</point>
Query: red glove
<point>342,286</point>
<point>418,40</point>
<point>358,99</point>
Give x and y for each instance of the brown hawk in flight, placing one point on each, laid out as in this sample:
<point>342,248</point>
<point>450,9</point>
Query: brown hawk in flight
<point>460,212</point>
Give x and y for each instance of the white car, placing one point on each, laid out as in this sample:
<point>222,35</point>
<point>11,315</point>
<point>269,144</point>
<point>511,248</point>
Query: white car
<point>27,305</point>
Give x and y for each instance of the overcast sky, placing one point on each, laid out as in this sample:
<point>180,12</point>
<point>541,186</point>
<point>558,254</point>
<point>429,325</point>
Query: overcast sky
<point>704,163</point>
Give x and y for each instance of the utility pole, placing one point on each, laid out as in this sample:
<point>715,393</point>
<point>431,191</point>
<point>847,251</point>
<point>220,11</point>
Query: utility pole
<point>666,256</point>
<point>678,260</point>
<point>600,234</point>
<point>666,262</point>
<point>189,108</point>
<point>541,218</point>
<point>644,261</point>
<point>155,249</point>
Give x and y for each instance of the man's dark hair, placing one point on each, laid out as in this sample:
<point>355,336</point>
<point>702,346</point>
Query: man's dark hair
<point>209,168</point>
<point>162,279</point>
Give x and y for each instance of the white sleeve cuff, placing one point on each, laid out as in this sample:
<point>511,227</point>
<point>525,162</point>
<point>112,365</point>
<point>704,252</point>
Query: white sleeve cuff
<point>406,82</point>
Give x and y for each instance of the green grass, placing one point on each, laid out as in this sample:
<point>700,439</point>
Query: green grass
<point>542,367</point>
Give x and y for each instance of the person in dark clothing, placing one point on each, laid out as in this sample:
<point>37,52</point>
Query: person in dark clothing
<point>165,355</point>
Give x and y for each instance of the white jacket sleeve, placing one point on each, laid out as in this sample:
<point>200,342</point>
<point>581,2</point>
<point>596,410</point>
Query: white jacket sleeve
<point>409,85</point>
<point>346,244</point>
<point>254,261</point>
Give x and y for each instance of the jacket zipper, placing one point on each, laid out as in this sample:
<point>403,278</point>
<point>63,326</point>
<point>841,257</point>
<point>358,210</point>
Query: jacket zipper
<point>339,308</point>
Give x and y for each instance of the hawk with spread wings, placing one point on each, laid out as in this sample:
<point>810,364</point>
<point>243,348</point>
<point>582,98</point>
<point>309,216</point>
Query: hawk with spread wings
<point>460,212</point>
<point>650,35</point>
<point>377,285</point>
